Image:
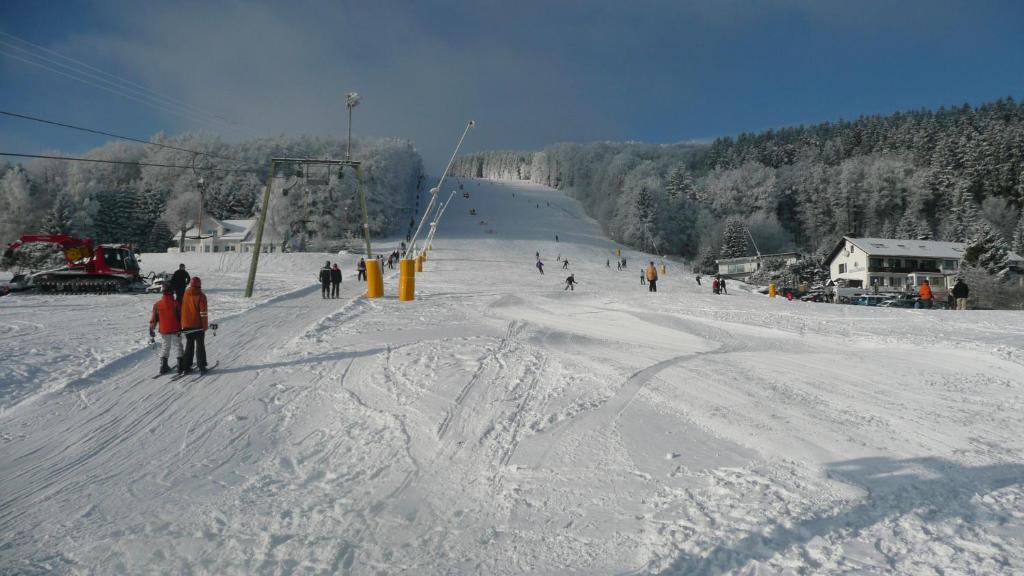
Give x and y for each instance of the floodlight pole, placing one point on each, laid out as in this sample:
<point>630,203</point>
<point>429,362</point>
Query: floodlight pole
<point>436,189</point>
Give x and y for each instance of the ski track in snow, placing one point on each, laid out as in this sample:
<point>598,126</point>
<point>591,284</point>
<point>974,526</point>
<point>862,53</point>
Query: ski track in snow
<point>501,425</point>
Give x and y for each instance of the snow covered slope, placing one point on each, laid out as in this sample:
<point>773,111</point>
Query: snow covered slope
<point>501,425</point>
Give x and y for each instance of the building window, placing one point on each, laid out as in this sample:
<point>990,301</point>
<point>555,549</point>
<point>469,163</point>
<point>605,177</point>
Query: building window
<point>216,248</point>
<point>875,262</point>
<point>912,265</point>
<point>842,268</point>
<point>950,264</point>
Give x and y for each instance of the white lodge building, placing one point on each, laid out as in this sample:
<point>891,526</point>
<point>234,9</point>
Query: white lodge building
<point>742,268</point>
<point>228,236</point>
<point>895,265</point>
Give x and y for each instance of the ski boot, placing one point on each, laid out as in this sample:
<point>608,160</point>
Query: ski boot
<point>182,369</point>
<point>164,368</point>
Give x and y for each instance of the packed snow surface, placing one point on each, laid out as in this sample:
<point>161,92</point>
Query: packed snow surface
<point>500,424</point>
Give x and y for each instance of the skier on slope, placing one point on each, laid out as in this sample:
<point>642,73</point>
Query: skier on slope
<point>179,281</point>
<point>698,279</point>
<point>721,286</point>
<point>165,313</point>
<point>335,280</point>
<point>652,277</point>
<point>361,269</point>
<point>565,264</point>
<point>570,283</point>
<point>643,277</point>
<point>194,323</point>
<point>540,266</point>
<point>325,280</point>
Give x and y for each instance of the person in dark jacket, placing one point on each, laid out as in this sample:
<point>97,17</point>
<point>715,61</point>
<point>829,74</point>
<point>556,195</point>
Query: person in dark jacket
<point>335,280</point>
<point>960,292</point>
<point>179,281</point>
<point>361,269</point>
<point>325,280</point>
<point>570,283</point>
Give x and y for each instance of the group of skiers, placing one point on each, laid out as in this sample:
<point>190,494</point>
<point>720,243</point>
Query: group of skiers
<point>181,310</point>
<point>330,280</point>
<point>717,285</point>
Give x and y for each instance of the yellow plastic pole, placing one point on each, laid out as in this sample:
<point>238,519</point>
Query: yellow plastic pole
<point>663,269</point>
<point>771,290</point>
<point>406,279</point>
<point>374,279</point>
<point>419,263</point>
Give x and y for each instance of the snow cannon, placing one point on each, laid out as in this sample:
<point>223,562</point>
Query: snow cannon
<point>406,279</point>
<point>374,279</point>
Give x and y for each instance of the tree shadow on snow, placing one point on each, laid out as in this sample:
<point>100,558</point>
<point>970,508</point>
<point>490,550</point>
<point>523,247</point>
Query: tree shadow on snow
<point>934,488</point>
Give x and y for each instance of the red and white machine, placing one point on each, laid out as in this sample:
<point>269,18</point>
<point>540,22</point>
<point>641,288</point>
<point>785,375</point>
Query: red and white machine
<point>88,267</point>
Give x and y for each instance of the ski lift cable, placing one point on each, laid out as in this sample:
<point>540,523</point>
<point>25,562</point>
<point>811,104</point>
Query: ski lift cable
<point>125,162</point>
<point>112,80</point>
<point>116,78</point>
<point>128,138</point>
<point>113,90</point>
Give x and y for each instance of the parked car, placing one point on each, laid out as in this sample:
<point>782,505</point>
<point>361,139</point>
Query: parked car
<point>900,301</point>
<point>813,296</point>
<point>870,300</point>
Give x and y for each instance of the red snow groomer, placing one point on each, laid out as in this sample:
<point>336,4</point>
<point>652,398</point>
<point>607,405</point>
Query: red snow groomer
<point>87,267</point>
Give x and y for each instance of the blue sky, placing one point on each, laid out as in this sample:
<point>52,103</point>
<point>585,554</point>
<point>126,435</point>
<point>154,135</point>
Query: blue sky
<point>529,72</point>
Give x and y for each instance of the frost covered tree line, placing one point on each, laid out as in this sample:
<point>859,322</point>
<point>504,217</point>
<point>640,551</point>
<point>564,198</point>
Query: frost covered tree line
<point>953,174</point>
<point>149,207</point>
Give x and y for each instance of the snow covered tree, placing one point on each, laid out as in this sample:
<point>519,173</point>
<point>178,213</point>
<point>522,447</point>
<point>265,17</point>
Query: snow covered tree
<point>1017,241</point>
<point>987,250</point>
<point>58,219</point>
<point>680,184</point>
<point>734,240</point>
<point>16,210</point>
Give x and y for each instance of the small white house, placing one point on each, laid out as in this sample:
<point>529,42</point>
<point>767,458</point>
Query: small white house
<point>742,268</point>
<point>229,236</point>
<point>895,265</point>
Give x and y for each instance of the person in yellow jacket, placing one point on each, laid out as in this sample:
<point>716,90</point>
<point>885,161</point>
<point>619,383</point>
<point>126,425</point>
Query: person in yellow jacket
<point>652,277</point>
<point>194,323</point>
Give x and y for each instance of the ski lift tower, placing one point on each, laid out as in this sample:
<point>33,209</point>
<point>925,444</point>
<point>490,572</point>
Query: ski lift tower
<point>375,283</point>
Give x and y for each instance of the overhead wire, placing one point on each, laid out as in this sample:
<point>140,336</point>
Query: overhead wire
<point>117,78</point>
<point>128,138</point>
<point>120,86</point>
<point>125,162</point>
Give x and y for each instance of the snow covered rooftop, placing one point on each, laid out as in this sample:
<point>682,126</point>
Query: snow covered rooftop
<point>919,248</point>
